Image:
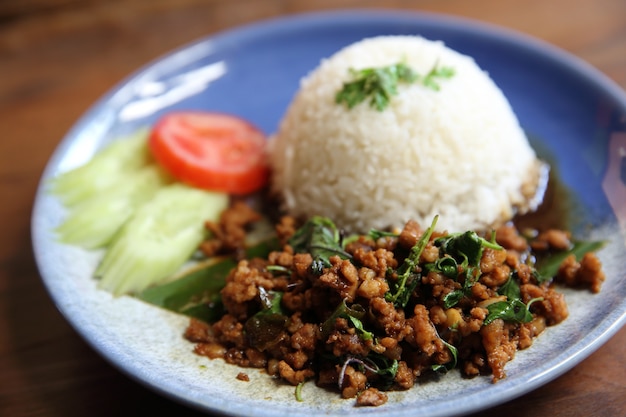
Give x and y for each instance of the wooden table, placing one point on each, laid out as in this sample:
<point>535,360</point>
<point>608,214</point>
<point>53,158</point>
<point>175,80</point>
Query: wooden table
<point>58,56</point>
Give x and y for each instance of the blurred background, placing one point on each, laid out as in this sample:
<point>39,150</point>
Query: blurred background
<point>58,56</point>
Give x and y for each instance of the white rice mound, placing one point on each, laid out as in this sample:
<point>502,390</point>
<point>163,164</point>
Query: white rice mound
<point>458,152</point>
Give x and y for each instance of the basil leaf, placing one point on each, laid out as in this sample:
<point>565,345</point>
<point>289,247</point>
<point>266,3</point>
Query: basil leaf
<point>511,310</point>
<point>320,237</point>
<point>197,292</point>
<point>353,313</point>
<point>387,369</point>
<point>510,288</point>
<point>471,276</point>
<point>264,329</point>
<point>401,289</point>
<point>465,247</point>
<point>452,298</point>
<point>376,234</point>
<point>450,365</point>
<point>358,325</point>
<point>447,266</point>
<point>547,267</point>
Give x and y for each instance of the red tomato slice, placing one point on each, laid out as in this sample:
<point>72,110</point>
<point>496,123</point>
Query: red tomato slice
<point>213,151</point>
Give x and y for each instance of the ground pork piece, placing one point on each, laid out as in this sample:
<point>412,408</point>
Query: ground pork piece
<point>352,382</point>
<point>404,377</point>
<point>481,292</point>
<point>389,243</point>
<point>525,273</point>
<point>456,320</point>
<point>328,375</point>
<point>410,234</point>
<point>551,306</point>
<point>294,323</point>
<point>371,397</point>
<point>210,350</point>
<point>497,276</point>
<point>508,237</point>
<point>418,362</point>
<point>430,253</point>
<point>495,272</point>
<point>305,338</point>
<point>474,322</point>
<point>434,278</point>
<point>424,335</point>
<point>587,273</point>
<point>228,235</point>
<point>529,331</point>
<point>363,242</point>
<point>379,260</point>
<point>201,333</point>
<point>344,340</point>
<point>567,271</point>
<point>297,359</point>
<point>281,258</point>
<point>292,376</point>
<point>301,264</point>
<point>236,356</point>
<point>438,315</point>
<point>285,228</point>
<point>448,285</point>
<point>554,239</point>
<point>471,355</point>
<point>295,300</point>
<point>198,331</point>
<point>242,287</point>
<point>341,277</point>
<point>475,365</point>
<point>243,377</point>
<point>491,259</point>
<point>386,317</point>
<point>371,285</point>
<point>321,302</point>
<point>229,330</point>
<point>498,347</point>
<point>256,358</point>
<point>392,348</point>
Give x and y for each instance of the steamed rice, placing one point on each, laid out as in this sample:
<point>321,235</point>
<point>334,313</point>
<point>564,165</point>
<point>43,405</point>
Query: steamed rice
<point>458,152</point>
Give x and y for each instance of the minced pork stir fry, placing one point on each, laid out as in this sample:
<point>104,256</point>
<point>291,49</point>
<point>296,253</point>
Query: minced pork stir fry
<point>372,313</point>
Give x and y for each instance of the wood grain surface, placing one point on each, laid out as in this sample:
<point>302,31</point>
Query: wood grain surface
<point>58,56</point>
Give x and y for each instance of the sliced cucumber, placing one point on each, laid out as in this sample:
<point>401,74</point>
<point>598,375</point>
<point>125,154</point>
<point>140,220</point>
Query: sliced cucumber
<point>159,238</point>
<point>107,168</point>
<point>93,222</point>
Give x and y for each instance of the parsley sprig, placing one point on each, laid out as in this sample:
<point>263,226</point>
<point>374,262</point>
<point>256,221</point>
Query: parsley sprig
<point>380,84</point>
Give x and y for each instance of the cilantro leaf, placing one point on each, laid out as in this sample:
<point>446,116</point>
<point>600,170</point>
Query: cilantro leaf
<point>380,84</point>
<point>437,72</point>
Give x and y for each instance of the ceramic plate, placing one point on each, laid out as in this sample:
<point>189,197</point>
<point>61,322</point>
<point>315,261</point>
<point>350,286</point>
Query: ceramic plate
<point>570,111</point>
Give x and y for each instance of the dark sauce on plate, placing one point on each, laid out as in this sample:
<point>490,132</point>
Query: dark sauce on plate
<point>556,209</point>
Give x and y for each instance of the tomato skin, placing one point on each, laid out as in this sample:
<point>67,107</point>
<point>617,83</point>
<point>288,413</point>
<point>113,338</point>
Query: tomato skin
<point>213,151</point>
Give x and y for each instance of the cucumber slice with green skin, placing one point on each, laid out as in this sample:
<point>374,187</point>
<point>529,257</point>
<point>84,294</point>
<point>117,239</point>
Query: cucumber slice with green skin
<point>107,168</point>
<point>93,223</point>
<point>159,238</point>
